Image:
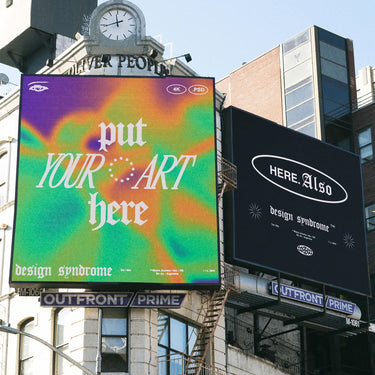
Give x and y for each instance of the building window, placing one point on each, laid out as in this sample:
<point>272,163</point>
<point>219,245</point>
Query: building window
<point>114,340</point>
<point>365,145</point>
<point>370,217</point>
<point>3,176</point>
<point>61,340</point>
<point>26,349</point>
<point>176,339</point>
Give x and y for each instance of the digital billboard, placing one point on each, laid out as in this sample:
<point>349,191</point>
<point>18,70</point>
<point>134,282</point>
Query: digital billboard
<point>116,182</point>
<point>298,206</point>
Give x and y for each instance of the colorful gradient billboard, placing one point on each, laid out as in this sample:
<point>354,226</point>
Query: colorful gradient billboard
<point>116,182</point>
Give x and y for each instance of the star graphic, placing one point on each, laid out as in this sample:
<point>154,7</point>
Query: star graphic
<point>255,211</point>
<point>349,241</point>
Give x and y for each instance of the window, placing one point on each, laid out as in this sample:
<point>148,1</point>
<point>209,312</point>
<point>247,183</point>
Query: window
<point>365,145</point>
<point>298,96</point>
<point>175,338</point>
<point>297,56</point>
<point>114,340</point>
<point>61,340</point>
<point>300,112</point>
<point>336,97</point>
<point>3,176</point>
<point>329,52</point>
<point>308,129</point>
<point>296,41</point>
<point>333,70</point>
<point>299,73</point>
<point>370,217</point>
<point>26,349</point>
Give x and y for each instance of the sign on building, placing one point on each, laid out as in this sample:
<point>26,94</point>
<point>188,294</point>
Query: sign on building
<point>106,299</point>
<point>298,207</point>
<point>116,182</point>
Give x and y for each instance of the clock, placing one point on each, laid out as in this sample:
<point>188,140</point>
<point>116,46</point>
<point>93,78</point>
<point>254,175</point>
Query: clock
<point>117,24</point>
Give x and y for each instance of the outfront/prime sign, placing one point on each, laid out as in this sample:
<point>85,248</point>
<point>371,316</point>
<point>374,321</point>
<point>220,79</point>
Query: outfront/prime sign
<point>107,299</point>
<point>313,298</point>
<point>169,300</point>
<point>87,299</point>
<point>116,182</point>
<point>298,207</point>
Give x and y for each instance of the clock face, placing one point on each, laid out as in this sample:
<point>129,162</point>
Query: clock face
<point>117,24</point>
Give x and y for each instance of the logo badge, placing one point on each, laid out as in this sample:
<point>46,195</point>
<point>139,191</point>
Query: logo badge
<point>299,179</point>
<point>198,90</point>
<point>176,89</point>
<point>38,86</point>
<point>305,250</point>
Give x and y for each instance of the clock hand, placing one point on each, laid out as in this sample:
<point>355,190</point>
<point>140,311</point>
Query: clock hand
<point>113,23</point>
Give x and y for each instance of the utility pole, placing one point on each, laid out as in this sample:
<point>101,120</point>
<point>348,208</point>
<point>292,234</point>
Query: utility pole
<point>4,328</point>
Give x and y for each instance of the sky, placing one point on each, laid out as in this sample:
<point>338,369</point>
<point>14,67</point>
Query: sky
<point>221,35</point>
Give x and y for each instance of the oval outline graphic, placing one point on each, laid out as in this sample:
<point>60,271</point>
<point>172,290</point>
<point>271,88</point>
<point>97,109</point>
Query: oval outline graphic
<point>294,192</point>
<point>305,250</point>
<point>199,93</point>
<point>176,85</point>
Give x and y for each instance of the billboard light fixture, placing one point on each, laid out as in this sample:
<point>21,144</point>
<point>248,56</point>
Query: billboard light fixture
<point>153,53</point>
<point>187,56</point>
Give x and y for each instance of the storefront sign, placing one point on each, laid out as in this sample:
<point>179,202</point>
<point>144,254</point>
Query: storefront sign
<point>87,299</point>
<point>170,300</point>
<point>138,62</point>
<point>48,299</point>
<point>313,298</point>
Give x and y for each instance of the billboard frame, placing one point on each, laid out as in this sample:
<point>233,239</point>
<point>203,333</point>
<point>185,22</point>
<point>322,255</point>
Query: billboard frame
<point>230,224</point>
<point>125,285</point>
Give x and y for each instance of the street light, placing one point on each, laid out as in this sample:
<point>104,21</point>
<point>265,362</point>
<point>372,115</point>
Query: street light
<point>7,329</point>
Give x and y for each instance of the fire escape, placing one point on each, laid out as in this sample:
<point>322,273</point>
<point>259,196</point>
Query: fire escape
<point>195,364</point>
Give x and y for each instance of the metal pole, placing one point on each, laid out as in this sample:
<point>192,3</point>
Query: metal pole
<point>59,352</point>
<point>99,353</point>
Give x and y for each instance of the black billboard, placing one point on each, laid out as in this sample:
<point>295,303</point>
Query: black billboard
<point>298,206</point>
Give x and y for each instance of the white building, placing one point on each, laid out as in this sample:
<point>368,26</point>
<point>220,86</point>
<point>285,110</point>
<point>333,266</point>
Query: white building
<point>365,82</point>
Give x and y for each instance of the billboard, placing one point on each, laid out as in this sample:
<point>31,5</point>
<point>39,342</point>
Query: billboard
<point>298,208</point>
<point>116,182</point>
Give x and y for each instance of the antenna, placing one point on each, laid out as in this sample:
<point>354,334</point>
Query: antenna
<point>4,79</point>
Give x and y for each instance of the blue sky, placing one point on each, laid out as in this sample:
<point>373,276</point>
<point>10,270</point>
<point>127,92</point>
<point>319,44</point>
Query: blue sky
<point>220,35</point>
